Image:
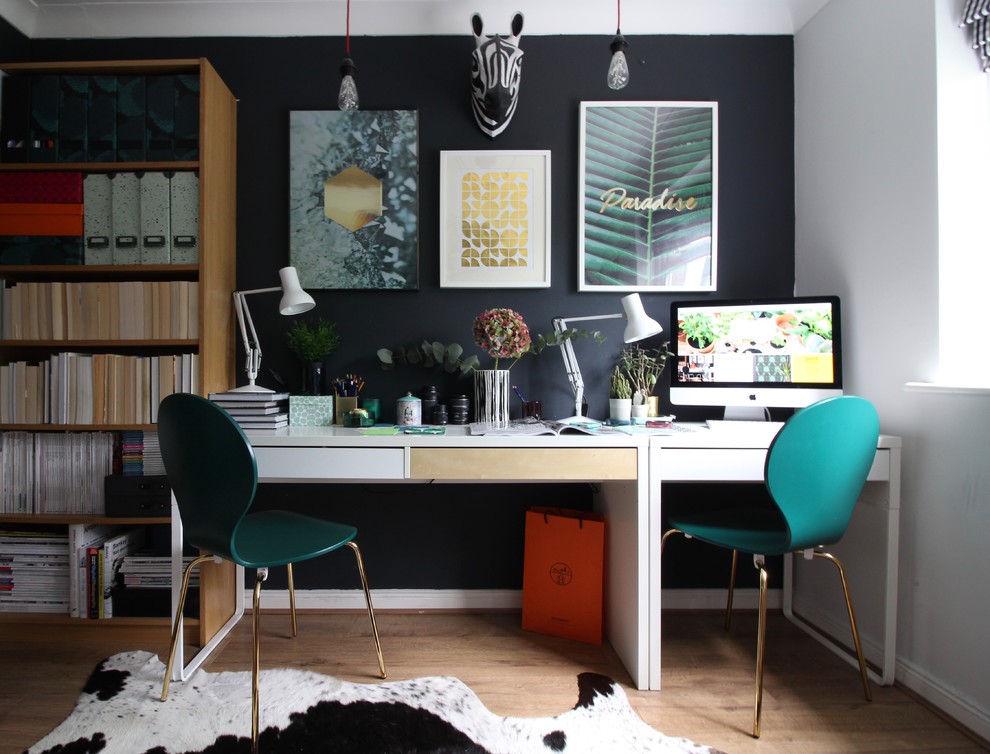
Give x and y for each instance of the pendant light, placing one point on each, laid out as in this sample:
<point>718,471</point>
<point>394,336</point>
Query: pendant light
<point>347,99</point>
<point>618,69</point>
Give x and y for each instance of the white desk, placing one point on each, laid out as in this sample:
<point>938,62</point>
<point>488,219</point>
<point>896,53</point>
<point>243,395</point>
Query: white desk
<point>628,472</point>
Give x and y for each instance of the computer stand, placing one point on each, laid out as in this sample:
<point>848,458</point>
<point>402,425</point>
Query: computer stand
<point>746,414</point>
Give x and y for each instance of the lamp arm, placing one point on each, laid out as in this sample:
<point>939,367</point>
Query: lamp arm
<point>561,325</point>
<point>571,364</point>
<point>252,348</point>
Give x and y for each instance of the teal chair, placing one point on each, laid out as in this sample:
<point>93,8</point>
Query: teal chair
<point>815,470</point>
<point>214,476</point>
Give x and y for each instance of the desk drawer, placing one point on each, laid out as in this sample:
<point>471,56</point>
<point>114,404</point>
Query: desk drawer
<point>712,464</point>
<point>511,464</point>
<point>734,465</point>
<point>317,464</point>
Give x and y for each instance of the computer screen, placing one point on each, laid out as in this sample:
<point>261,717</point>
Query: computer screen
<point>760,353</point>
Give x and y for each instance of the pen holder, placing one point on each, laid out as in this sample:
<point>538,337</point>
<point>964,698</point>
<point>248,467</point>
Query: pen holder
<point>532,409</point>
<point>344,405</point>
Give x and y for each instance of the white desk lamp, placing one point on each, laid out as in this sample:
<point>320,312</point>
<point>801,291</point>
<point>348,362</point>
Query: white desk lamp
<point>294,301</point>
<point>639,325</point>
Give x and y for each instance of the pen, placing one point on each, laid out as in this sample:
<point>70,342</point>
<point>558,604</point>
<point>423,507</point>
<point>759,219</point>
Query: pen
<point>516,391</point>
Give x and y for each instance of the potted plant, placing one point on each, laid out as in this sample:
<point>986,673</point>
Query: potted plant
<point>312,341</point>
<point>701,331</point>
<point>619,397</point>
<point>643,367</point>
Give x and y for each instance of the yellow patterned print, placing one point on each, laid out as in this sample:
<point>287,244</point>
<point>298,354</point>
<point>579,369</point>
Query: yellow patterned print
<point>495,219</point>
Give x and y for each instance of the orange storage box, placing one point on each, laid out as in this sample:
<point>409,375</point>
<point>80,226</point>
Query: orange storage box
<point>41,219</point>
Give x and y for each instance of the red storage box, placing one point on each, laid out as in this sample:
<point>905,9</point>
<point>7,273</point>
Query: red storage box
<point>41,188</point>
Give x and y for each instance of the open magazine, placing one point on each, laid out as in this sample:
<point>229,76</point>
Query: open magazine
<point>532,427</point>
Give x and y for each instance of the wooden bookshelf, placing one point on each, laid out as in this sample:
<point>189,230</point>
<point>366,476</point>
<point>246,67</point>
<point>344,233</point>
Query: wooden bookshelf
<point>214,344</point>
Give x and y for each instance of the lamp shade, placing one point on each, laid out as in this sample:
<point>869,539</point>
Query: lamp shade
<point>294,299</point>
<point>639,324</point>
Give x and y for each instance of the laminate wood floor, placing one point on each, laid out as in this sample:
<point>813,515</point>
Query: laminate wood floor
<point>813,701</point>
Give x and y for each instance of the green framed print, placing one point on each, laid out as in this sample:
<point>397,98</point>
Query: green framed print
<point>648,177</point>
<point>353,199</point>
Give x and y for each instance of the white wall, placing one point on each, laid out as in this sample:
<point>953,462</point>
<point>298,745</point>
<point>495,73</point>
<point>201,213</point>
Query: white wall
<point>868,228</point>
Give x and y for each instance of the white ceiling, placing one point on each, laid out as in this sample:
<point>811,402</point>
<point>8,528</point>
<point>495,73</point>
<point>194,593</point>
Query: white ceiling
<point>40,19</point>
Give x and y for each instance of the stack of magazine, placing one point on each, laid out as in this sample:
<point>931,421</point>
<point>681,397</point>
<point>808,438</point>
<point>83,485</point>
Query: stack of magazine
<point>255,410</point>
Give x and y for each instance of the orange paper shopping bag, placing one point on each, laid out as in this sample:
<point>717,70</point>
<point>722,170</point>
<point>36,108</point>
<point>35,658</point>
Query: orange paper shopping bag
<point>563,573</point>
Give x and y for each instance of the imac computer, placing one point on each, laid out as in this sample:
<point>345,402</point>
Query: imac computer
<point>754,355</point>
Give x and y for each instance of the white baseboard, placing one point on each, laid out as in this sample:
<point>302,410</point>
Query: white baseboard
<point>482,599</point>
<point>391,599</point>
<point>961,710</point>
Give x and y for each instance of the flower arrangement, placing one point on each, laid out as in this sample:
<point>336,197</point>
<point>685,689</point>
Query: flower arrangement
<point>502,334</point>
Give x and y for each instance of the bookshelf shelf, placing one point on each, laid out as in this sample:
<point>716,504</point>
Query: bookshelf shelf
<point>71,272</point>
<point>100,167</point>
<point>64,518</point>
<point>213,346</point>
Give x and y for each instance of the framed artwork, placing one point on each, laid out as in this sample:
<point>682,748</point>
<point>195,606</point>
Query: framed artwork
<point>648,189</point>
<point>353,199</point>
<point>494,219</point>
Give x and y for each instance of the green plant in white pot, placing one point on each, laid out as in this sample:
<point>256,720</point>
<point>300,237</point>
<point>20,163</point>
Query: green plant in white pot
<point>643,367</point>
<point>619,397</point>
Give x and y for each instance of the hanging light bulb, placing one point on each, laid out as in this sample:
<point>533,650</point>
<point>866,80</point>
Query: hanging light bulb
<point>347,99</point>
<point>618,69</point>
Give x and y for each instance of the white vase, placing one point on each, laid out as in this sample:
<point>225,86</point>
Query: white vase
<point>491,396</point>
<point>639,412</point>
<point>620,409</point>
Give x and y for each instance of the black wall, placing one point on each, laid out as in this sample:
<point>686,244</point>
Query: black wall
<point>471,537</point>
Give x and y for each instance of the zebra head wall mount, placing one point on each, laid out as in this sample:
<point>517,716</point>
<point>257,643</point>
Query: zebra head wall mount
<point>496,69</point>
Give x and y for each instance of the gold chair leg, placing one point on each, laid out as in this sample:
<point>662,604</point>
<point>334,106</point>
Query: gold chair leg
<point>761,635</point>
<point>663,539</point>
<point>732,587</point>
<point>256,660</point>
<point>371,610</point>
<point>292,600</point>
<point>176,633</point>
<point>852,622</point>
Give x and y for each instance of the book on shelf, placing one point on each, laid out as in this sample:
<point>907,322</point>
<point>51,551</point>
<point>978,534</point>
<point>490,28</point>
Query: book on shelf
<point>34,572</point>
<point>83,538</point>
<point>115,549</point>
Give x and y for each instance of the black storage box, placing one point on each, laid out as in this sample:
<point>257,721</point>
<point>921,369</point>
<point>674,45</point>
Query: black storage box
<point>138,496</point>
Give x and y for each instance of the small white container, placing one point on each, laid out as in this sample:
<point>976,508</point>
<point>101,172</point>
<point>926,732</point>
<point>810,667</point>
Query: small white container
<point>409,411</point>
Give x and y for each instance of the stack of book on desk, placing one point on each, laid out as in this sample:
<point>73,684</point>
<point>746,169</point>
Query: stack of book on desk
<point>255,410</point>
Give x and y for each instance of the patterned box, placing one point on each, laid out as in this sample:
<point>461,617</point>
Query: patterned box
<point>311,410</point>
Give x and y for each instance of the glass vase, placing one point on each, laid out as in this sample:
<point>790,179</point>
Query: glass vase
<point>491,397</point>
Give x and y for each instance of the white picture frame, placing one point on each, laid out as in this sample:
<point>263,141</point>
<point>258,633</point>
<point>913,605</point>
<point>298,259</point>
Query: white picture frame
<point>495,219</point>
<point>648,196</point>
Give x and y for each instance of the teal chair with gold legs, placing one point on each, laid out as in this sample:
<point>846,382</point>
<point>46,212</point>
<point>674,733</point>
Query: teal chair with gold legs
<point>214,476</point>
<point>815,470</point>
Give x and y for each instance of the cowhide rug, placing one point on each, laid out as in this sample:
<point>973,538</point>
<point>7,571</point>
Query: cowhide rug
<point>301,711</point>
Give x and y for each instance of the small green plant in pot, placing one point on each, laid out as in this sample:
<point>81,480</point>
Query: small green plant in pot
<point>312,341</point>
<point>619,397</point>
<point>643,367</point>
